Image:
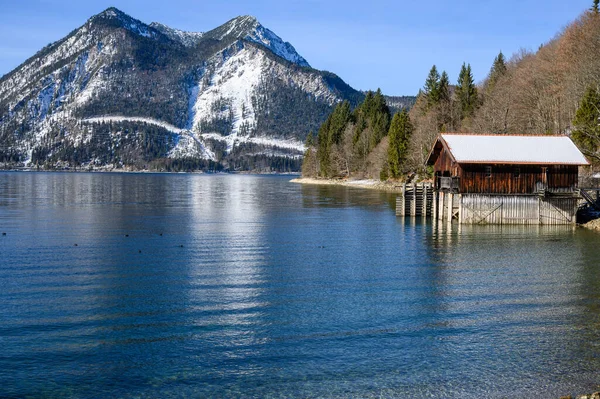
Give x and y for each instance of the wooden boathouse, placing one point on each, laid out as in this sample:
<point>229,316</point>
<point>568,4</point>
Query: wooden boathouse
<point>505,179</point>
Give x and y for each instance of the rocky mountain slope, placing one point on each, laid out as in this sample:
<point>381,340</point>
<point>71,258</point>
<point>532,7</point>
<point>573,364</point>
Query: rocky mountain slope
<point>117,92</point>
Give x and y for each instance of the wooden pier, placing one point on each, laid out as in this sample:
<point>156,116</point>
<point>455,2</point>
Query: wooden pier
<point>415,200</point>
<point>420,200</point>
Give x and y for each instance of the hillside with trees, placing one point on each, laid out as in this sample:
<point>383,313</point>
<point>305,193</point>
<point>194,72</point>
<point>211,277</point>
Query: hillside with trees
<point>359,142</point>
<point>554,90</point>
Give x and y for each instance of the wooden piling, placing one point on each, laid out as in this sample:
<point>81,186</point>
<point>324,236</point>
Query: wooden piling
<point>415,200</point>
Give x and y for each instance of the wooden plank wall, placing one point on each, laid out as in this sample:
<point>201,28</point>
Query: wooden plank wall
<point>504,179</point>
<point>522,210</point>
<point>444,164</point>
<point>563,178</point>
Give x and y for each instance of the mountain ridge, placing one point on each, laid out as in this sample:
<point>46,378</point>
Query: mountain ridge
<point>239,94</point>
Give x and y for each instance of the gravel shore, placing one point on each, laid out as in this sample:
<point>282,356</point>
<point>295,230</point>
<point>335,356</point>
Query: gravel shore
<point>595,395</point>
<point>364,183</point>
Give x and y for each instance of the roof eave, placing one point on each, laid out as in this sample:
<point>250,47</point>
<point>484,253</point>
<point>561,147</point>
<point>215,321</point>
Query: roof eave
<point>432,152</point>
<point>523,163</point>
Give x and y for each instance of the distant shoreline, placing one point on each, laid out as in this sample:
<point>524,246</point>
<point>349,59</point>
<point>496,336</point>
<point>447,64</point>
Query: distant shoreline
<point>370,184</point>
<point>146,171</point>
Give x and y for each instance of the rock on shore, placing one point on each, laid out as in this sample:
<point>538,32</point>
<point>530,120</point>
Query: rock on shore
<point>593,225</point>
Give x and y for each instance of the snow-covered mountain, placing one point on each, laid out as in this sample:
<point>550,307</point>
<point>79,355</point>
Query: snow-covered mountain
<point>248,28</point>
<point>117,91</point>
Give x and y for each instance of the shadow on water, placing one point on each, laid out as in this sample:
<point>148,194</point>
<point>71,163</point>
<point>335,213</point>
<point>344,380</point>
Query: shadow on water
<point>323,196</point>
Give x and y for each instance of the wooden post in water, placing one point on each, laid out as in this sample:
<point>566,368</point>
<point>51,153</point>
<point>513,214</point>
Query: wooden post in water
<point>460,210</point>
<point>424,204</point>
<point>450,206</point>
<point>404,200</point>
<point>418,200</point>
<point>413,203</point>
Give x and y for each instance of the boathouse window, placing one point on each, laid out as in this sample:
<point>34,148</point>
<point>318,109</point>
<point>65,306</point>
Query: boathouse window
<point>517,173</point>
<point>488,171</point>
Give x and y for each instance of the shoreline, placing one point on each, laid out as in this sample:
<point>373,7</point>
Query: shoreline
<point>592,225</point>
<point>369,184</point>
<point>147,171</point>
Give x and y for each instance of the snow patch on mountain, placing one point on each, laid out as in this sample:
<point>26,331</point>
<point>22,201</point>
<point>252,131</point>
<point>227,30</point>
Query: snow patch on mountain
<point>188,39</point>
<point>227,93</point>
<point>248,28</point>
<point>94,85</point>
<point>188,144</point>
<point>266,141</point>
<point>150,121</point>
<point>193,98</point>
<point>270,40</point>
<point>18,81</point>
<point>86,52</point>
<point>191,144</point>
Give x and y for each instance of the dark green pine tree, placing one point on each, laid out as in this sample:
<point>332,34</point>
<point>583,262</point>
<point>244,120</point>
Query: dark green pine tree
<point>497,71</point>
<point>586,129</point>
<point>466,92</point>
<point>444,88</point>
<point>310,141</point>
<point>445,111</point>
<point>330,133</point>
<point>380,119</point>
<point>595,6</point>
<point>399,135</point>
<point>309,161</point>
<point>340,116</point>
<point>373,112</point>
<point>361,114</point>
<point>432,86</point>
<point>323,148</point>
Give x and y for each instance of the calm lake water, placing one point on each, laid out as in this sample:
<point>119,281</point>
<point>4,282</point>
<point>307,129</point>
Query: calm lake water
<point>146,285</point>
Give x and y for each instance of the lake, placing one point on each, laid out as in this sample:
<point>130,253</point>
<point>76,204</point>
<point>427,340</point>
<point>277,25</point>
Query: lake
<point>213,286</point>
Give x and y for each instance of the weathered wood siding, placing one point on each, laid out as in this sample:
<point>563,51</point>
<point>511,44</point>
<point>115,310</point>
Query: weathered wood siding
<point>512,209</point>
<point>445,166</point>
<point>516,179</point>
<point>563,178</point>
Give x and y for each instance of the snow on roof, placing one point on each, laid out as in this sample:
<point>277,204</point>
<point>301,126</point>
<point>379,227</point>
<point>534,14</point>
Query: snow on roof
<point>514,149</point>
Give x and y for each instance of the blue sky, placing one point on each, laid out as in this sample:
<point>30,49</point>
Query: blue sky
<point>369,44</point>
